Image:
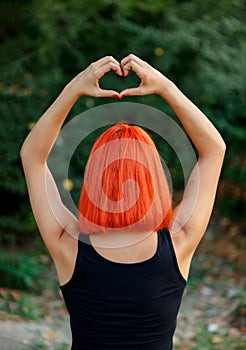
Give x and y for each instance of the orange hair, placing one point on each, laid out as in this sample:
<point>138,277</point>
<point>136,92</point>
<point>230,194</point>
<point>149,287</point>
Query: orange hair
<point>124,152</point>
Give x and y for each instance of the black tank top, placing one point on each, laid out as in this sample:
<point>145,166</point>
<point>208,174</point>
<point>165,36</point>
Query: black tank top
<point>114,306</point>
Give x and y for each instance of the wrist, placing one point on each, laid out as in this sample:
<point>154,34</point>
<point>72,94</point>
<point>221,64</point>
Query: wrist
<point>169,91</point>
<point>166,87</point>
<point>71,90</point>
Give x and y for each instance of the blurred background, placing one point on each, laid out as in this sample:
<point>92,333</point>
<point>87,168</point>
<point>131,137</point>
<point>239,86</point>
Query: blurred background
<point>201,46</point>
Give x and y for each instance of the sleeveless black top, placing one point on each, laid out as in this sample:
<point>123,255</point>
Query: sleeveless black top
<point>115,306</point>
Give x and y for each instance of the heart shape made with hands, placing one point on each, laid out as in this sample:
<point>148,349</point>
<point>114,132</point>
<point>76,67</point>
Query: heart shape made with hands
<point>126,81</point>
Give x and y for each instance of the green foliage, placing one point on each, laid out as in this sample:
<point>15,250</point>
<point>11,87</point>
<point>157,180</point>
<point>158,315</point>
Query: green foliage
<point>25,308</point>
<point>44,44</point>
<point>18,271</point>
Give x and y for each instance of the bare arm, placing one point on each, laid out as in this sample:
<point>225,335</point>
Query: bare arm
<point>189,225</point>
<point>39,142</point>
<point>52,218</point>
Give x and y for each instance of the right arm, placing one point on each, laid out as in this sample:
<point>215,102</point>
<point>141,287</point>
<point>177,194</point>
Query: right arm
<point>192,215</point>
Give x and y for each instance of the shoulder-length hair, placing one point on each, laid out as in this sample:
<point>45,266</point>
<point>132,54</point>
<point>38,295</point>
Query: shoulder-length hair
<point>125,186</point>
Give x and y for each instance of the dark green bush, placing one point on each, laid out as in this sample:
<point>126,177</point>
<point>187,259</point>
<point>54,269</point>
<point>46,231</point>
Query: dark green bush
<point>18,271</point>
<point>44,44</point>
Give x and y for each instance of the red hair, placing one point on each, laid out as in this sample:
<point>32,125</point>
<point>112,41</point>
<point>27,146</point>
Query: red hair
<point>125,186</point>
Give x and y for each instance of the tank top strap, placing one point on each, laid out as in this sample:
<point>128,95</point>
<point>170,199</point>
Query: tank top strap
<point>84,238</point>
<point>165,240</point>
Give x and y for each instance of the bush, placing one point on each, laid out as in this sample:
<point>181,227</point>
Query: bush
<point>18,271</point>
<point>44,44</point>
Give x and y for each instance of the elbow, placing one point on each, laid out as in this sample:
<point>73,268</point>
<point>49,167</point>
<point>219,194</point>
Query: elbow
<point>218,153</point>
<point>215,151</point>
<point>222,147</point>
<point>23,156</point>
<point>24,151</point>
<point>29,154</point>
<point>219,146</point>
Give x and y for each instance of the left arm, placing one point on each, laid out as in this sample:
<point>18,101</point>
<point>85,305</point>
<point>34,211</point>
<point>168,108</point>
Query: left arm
<point>52,217</point>
<point>191,216</point>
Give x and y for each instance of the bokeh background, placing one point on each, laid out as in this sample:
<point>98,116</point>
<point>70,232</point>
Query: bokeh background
<point>201,46</point>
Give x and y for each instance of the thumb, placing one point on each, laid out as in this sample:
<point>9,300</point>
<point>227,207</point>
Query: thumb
<point>108,93</point>
<point>132,92</point>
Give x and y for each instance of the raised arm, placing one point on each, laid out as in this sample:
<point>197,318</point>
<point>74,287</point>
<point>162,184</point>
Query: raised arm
<point>52,218</point>
<point>188,225</point>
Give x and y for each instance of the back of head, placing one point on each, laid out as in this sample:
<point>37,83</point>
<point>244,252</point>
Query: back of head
<point>124,186</point>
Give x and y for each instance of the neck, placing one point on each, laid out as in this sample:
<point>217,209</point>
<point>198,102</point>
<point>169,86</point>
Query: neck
<point>118,239</point>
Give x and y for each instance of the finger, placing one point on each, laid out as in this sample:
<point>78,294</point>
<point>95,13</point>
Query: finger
<point>131,57</point>
<point>139,91</point>
<point>105,61</point>
<point>116,68</point>
<point>107,93</point>
<point>132,65</point>
<point>103,69</point>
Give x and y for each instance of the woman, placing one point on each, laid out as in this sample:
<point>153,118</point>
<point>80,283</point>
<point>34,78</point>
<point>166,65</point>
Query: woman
<point>126,296</point>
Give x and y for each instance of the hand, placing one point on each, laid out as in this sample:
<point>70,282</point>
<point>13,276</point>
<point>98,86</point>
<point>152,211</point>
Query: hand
<point>87,82</point>
<point>152,81</point>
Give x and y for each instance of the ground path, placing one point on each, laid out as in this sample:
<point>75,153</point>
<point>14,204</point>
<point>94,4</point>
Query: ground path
<point>205,316</point>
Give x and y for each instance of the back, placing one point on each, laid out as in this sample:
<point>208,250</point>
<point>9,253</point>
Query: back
<point>124,306</point>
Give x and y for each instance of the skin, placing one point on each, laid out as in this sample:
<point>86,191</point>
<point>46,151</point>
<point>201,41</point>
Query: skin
<point>56,222</point>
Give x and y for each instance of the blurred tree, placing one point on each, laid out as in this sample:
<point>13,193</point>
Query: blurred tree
<point>199,45</point>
